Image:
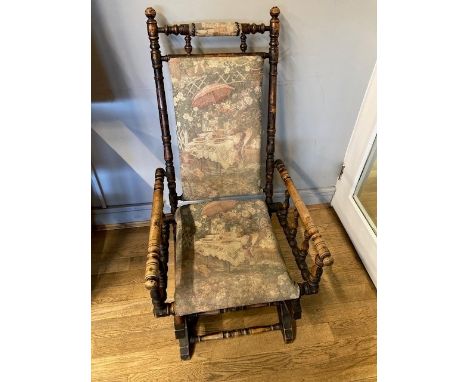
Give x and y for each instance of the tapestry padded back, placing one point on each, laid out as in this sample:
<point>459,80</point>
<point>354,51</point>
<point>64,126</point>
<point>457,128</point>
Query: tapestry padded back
<point>217,104</point>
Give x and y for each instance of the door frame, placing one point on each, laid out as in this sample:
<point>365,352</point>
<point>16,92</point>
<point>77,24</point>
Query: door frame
<point>360,145</point>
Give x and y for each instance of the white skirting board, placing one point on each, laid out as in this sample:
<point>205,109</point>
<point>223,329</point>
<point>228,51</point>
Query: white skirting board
<point>142,212</point>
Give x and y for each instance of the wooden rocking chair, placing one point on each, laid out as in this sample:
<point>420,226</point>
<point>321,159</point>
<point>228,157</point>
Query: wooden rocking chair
<point>227,257</point>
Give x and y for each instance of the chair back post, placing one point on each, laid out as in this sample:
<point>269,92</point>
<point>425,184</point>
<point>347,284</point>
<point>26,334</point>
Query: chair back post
<point>152,28</point>
<point>271,129</point>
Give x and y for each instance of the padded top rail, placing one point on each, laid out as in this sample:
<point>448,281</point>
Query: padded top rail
<point>209,29</point>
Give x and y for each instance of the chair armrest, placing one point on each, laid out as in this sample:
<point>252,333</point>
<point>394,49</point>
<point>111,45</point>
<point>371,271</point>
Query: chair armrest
<point>155,235</point>
<point>311,230</point>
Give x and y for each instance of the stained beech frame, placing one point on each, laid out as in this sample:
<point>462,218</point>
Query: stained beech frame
<point>158,247</point>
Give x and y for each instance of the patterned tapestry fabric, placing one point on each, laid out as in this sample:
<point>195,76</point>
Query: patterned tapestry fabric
<point>216,29</point>
<point>217,104</point>
<point>227,256</point>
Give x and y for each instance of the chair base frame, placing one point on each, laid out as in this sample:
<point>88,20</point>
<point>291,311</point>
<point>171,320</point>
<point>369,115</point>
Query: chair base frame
<point>185,326</point>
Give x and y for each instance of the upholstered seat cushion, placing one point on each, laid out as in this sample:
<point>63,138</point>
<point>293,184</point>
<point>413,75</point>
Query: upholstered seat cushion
<point>227,256</point>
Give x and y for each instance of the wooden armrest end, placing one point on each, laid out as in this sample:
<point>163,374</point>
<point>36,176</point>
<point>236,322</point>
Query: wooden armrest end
<point>154,242</point>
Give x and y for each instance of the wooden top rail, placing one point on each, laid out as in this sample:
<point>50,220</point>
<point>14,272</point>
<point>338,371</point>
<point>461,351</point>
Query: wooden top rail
<point>324,256</point>
<point>154,242</point>
<point>210,29</point>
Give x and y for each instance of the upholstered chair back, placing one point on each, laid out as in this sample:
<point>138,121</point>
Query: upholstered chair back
<point>217,101</point>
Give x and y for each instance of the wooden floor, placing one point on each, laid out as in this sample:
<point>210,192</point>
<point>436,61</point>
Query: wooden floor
<point>336,337</point>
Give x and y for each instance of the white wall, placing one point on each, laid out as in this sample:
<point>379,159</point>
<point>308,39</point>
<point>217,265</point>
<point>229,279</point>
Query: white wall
<point>327,52</point>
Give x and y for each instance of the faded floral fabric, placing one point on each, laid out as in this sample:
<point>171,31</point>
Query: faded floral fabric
<point>218,116</point>
<point>216,29</point>
<point>227,256</point>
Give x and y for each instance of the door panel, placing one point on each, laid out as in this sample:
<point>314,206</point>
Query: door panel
<point>355,199</point>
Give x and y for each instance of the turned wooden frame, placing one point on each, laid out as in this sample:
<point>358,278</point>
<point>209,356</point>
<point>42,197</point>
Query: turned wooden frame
<point>158,247</point>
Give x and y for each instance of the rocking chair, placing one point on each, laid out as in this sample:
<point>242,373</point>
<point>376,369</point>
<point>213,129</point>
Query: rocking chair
<point>226,254</point>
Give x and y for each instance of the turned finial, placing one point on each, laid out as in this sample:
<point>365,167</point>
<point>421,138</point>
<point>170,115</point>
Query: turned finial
<point>274,12</point>
<point>159,173</point>
<point>150,13</point>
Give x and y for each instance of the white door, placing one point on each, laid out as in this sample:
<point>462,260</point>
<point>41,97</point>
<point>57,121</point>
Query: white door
<point>355,199</point>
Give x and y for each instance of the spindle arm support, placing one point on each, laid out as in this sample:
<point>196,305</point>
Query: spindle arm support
<point>311,232</point>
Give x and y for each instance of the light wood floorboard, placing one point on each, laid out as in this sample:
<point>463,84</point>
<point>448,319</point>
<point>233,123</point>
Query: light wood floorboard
<point>336,337</point>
